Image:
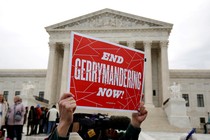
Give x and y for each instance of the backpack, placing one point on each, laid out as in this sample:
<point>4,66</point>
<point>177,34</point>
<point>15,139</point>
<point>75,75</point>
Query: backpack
<point>18,116</point>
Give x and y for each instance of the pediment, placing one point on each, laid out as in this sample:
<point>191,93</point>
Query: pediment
<point>108,18</point>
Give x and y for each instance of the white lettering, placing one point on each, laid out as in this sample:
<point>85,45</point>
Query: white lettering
<point>86,70</point>
<point>77,72</point>
<point>105,56</point>
<point>112,58</point>
<point>110,93</point>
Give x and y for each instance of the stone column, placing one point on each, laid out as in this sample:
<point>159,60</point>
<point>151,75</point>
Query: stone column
<point>65,69</point>
<point>164,70</point>
<point>148,74</point>
<point>49,91</point>
<point>131,44</point>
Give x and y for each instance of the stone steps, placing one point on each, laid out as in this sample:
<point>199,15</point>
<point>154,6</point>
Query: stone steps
<point>157,121</point>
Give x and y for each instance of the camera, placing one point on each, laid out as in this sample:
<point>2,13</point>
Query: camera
<point>93,126</point>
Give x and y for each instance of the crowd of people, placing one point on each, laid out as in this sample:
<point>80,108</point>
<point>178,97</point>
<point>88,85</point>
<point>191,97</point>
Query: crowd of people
<point>41,120</point>
<point>37,119</point>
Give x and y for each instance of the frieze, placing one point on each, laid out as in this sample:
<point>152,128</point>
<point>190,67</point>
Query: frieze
<point>63,36</point>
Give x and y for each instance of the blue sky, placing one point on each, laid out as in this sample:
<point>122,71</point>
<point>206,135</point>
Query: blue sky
<point>24,40</point>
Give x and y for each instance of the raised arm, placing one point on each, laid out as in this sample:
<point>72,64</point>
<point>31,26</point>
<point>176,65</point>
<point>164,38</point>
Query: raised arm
<point>67,106</point>
<point>133,130</point>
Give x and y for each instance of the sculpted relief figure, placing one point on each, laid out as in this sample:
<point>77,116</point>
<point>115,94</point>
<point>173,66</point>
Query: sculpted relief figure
<point>28,89</point>
<point>107,20</point>
<point>175,90</point>
<point>28,86</point>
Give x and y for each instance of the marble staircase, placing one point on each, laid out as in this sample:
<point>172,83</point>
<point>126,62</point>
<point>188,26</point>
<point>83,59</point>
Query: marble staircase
<point>157,121</point>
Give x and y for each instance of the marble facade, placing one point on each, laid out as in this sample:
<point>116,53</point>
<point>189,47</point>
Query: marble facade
<point>133,31</point>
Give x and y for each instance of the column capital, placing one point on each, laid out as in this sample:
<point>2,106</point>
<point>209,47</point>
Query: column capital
<point>113,41</point>
<point>164,43</point>
<point>147,43</point>
<point>66,45</point>
<point>131,44</point>
<point>52,45</point>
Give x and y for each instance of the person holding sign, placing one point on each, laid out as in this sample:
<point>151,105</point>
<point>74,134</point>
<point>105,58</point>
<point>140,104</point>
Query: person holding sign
<point>67,106</point>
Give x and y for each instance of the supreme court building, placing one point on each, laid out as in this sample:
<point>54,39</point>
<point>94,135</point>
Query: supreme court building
<point>133,31</point>
<point>148,35</point>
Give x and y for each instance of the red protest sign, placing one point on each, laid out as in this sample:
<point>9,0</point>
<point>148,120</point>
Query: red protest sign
<point>104,74</point>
